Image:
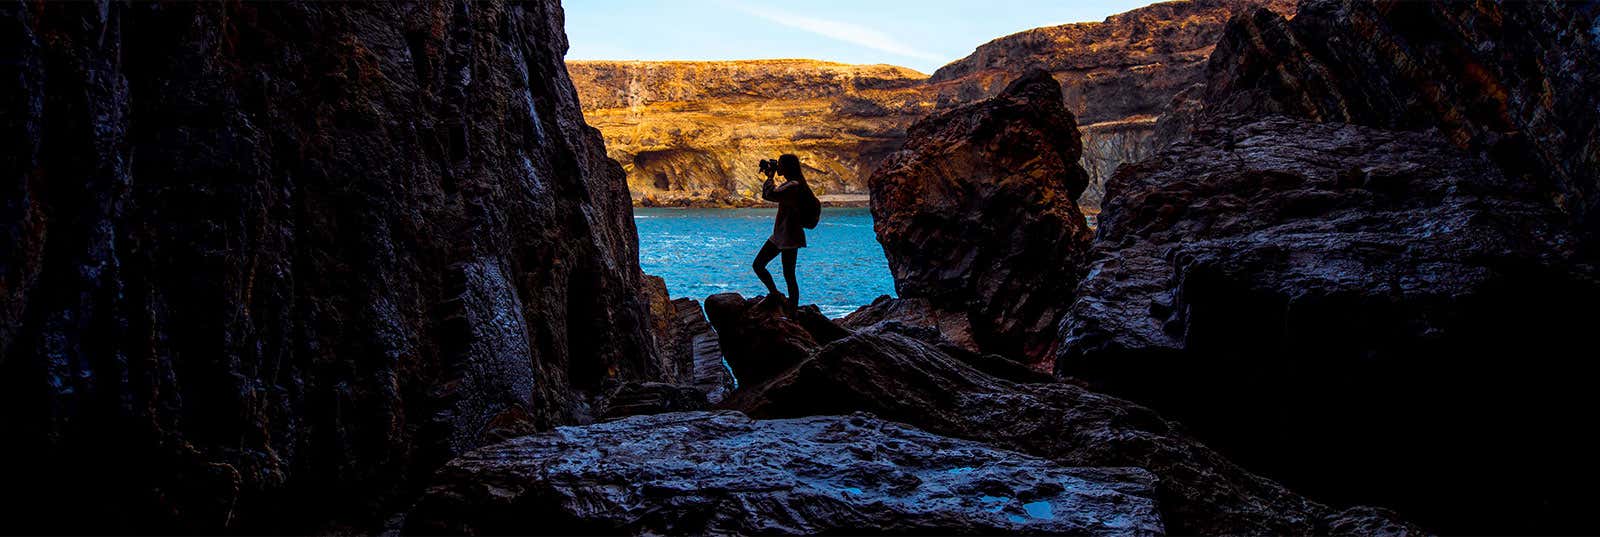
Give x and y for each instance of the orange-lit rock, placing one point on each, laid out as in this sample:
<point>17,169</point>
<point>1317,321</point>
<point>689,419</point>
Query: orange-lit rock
<point>691,132</point>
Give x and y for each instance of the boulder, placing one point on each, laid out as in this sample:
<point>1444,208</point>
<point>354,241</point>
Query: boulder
<point>1379,302</point>
<point>763,336</point>
<point>976,214</point>
<point>901,377</point>
<point>722,473</point>
<point>262,265</point>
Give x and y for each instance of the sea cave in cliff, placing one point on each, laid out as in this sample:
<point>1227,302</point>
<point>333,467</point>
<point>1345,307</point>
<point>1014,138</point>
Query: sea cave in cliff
<point>630,267</point>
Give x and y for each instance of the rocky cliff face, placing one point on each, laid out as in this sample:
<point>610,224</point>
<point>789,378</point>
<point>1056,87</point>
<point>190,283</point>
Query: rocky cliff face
<point>699,127</point>
<point>1293,289</point>
<point>266,264</point>
<point>976,214</point>
<point>692,132</point>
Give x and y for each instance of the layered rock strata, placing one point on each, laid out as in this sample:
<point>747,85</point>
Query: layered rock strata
<point>692,133</point>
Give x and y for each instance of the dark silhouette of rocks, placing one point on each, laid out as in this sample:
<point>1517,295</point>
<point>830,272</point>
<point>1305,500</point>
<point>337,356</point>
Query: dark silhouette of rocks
<point>1294,291</point>
<point>976,215</point>
<point>762,336</point>
<point>894,372</point>
<point>1396,305</point>
<point>723,473</point>
<point>267,265</point>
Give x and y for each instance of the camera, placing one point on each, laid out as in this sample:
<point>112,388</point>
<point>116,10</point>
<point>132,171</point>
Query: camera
<point>769,164</point>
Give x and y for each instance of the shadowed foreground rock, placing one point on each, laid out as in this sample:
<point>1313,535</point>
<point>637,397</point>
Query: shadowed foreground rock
<point>705,352</point>
<point>762,336</point>
<point>976,214</point>
<point>1360,313</point>
<point>723,473</point>
<point>891,371</point>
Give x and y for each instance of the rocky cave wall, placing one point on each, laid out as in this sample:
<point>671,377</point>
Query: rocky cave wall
<point>266,265</point>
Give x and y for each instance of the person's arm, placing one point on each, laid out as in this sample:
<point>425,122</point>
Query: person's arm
<point>782,193</point>
<point>767,191</point>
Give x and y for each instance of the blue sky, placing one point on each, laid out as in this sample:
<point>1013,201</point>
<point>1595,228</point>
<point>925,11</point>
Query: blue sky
<point>920,34</point>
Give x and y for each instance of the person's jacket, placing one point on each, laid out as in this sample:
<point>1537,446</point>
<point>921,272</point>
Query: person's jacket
<point>786,229</point>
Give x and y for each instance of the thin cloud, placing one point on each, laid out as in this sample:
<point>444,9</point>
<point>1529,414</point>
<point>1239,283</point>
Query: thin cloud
<point>842,31</point>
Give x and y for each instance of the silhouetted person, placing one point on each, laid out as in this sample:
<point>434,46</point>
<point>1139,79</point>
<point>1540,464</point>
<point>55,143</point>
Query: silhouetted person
<point>788,232</point>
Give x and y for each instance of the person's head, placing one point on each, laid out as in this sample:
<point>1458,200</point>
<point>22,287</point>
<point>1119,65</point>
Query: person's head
<point>789,167</point>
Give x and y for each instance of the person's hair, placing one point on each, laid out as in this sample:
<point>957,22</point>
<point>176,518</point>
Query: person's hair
<point>789,166</point>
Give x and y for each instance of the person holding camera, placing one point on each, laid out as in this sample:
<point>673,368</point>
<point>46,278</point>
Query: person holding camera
<point>798,210</point>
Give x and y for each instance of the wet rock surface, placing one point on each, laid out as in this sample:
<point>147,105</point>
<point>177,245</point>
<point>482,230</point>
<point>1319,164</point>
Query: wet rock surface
<point>976,215</point>
<point>723,473</point>
<point>1298,291</point>
<point>892,372</point>
<point>264,265</point>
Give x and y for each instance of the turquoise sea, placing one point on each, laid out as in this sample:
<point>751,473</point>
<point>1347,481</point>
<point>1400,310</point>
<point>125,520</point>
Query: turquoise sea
<point>701,252</point>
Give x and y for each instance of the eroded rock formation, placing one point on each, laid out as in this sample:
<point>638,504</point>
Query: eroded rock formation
<point>266,264</point>
<point>908,374</point>
<point>722,473</point>
<point>1295,291</point>
<point>976,214</point>
<point>690,132</point>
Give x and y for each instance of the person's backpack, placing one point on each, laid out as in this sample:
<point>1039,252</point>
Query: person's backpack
<point>810,209</point>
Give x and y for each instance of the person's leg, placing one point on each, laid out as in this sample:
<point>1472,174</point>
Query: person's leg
<point>768,251</point>
<point>788,276</point>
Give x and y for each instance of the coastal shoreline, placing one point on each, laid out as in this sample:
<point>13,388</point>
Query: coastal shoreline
<point>828,200</point>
